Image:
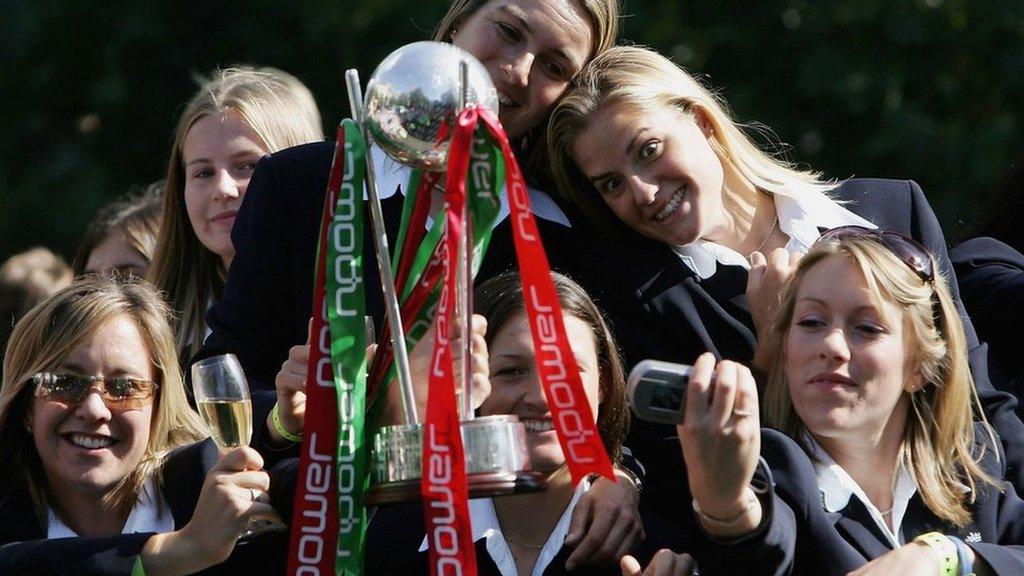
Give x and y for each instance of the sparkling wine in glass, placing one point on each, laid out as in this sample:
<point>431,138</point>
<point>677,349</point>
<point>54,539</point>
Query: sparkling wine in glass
<point>222,394</point>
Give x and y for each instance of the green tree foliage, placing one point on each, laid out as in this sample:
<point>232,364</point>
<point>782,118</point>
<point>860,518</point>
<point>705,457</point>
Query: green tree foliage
<point>923,89</point>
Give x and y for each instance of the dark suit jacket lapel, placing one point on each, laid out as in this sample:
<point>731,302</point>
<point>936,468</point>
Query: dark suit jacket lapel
<point>855,525</point>
<point>672,289</point>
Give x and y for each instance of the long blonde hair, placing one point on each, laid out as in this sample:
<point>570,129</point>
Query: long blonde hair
<point>187,272</point>
<point>48,334</point>
<point>647,81</point>
<point>938,440</point>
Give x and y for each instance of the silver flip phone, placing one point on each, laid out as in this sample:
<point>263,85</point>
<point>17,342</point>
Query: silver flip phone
<point>657,391</point>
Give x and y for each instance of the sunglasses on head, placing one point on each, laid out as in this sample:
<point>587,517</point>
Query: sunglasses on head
<point>908,250</point>
<point>117,392</point>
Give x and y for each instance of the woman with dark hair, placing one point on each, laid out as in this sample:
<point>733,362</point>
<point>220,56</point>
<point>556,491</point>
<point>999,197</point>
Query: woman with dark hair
<point>105,467</point>
<point>122,236</point>
<point>525,534</point>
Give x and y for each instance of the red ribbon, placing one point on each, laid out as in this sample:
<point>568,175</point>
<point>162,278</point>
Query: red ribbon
<point>444,488</point>
<point>314,533</point>
<point>581,443</point>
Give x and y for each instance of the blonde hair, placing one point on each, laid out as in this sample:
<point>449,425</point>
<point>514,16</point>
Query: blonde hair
<point>938,440</point>
<point>187,272</point>
<point>604,23</point>
<point>52,331</point>
<point>647,81</point>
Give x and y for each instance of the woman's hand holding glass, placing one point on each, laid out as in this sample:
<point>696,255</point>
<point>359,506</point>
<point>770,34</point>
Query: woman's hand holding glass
<point>721,441</point>
<point>233,495</point>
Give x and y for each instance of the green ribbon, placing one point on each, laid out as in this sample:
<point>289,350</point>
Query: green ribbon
<point>346,309</point>
<point>484,182</point>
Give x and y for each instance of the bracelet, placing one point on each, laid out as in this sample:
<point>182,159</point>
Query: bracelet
<point>275,415</point>
<point>945,549</point>
<point>751,500</point>
<point>631,477</point>
<point>963,556</point>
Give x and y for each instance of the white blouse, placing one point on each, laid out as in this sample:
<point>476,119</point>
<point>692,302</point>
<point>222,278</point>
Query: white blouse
<point>150,514</point>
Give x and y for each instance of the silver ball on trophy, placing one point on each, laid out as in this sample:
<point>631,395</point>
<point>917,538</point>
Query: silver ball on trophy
<point>413,97</point>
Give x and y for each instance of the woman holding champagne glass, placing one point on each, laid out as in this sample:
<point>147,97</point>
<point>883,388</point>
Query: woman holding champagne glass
<point>105,470</point>
<point>531,50</point>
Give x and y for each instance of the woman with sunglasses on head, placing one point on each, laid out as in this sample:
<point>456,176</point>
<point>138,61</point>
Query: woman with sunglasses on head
<point>876,464</point>
<point>531,49</point>
<point>697,212</point>
<point>103,469</point>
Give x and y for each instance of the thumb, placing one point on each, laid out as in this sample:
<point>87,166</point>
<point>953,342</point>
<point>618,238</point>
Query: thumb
<point>309,331</point>
<point>758,265</point>
<point>239,459</point>
<point>629,566</point>
<point>756,259</point>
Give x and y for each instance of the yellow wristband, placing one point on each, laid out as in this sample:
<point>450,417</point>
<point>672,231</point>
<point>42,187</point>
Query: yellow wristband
<point>275,414</point>
<point>945,549</point>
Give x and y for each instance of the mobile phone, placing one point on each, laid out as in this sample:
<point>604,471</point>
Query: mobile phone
<point>657,391</point>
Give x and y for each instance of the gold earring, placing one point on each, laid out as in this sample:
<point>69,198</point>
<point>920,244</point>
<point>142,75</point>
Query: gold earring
<point>524,143</point>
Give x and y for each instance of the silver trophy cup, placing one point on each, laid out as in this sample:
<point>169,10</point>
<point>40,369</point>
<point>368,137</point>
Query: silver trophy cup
<point>412,98</point>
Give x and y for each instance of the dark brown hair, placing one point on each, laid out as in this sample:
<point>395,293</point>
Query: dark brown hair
<point>501,297</point>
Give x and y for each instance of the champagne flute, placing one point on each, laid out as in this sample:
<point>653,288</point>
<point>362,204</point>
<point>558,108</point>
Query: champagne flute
<point>222,394</point>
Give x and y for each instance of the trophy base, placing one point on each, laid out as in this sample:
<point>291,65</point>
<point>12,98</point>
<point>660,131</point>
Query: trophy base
<point>497,460</point>
<point>480,486</point>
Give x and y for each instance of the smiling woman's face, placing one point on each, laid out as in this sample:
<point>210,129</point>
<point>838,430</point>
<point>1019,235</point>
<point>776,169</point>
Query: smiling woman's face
<point>846,364</point>
<point>88,448</point>
<point>531,48</point>
<point>516,388</point>
<point>219,155</point>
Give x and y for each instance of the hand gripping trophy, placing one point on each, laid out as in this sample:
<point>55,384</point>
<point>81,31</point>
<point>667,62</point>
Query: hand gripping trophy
<point>428,105</point>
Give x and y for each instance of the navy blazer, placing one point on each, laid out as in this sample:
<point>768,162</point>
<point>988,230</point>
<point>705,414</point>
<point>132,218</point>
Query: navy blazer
<point>268,297</point>
<point>661,309</point>
<point>24,548</point>
<point>991,278</point>
<point>798,536</point>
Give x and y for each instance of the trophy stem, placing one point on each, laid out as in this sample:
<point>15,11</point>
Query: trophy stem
<point>466,275</point>
<point>355,97</point>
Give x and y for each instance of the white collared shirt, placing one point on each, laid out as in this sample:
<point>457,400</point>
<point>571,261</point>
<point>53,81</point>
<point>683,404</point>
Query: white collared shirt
<point>837,487</point>
<point>485,525</point>
<point>150,514</point>
<point>392,177</point>
<point>800,216</point>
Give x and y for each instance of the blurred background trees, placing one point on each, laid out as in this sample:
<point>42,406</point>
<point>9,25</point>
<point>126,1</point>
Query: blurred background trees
<point>926,89</point>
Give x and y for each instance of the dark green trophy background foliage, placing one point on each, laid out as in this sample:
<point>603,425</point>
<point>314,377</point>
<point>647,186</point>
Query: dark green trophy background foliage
<point>924,89</point>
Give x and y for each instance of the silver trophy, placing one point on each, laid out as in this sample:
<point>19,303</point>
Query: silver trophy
<point>412,97</point>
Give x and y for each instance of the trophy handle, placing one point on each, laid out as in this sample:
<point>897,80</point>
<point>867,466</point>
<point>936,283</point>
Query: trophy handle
<point>380,241</point>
